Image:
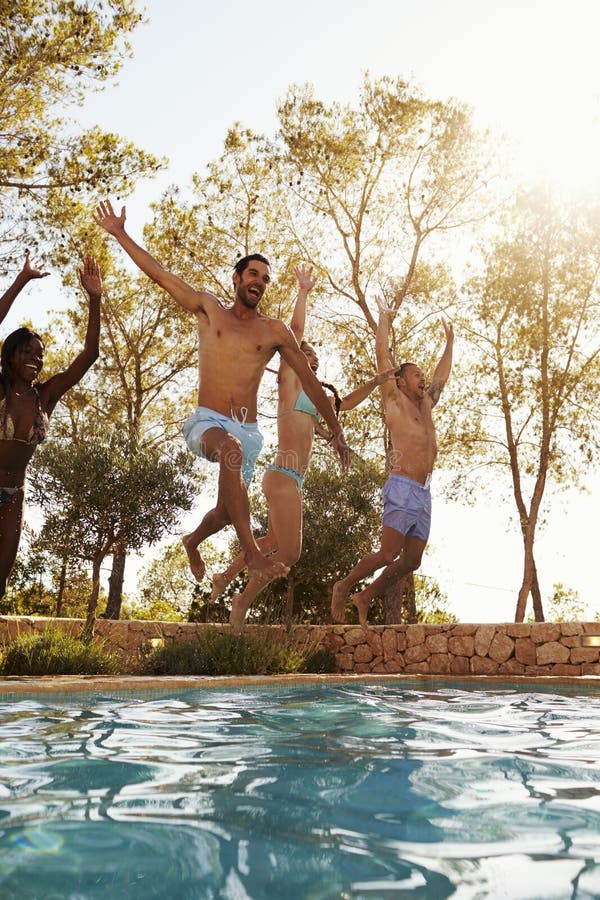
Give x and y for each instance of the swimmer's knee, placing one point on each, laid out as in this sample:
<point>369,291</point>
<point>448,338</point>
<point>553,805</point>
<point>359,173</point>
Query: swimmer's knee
<point>412,562</point>
<point>387,557</point>
<point>231,445</point>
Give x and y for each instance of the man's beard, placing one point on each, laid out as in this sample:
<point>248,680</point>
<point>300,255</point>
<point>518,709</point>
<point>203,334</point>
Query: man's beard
<point>246,300</point>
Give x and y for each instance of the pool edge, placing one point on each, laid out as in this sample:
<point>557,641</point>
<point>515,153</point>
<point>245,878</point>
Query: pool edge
<point>28,684</point>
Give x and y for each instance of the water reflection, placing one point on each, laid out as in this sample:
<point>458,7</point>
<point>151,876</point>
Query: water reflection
<point>306,791</point>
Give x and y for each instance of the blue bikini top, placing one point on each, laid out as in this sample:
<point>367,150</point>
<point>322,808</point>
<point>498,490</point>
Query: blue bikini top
<point>304,404</point>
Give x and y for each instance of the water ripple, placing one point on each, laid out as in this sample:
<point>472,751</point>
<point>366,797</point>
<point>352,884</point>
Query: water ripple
<point>310,791</point>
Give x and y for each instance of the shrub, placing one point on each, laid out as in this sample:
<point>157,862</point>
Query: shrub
<point>217,653</point>
<point>55,652</point>
<point>319,662</point>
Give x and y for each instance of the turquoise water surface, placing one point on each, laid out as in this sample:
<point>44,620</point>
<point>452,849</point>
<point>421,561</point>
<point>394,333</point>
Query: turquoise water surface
<point>301,791</point>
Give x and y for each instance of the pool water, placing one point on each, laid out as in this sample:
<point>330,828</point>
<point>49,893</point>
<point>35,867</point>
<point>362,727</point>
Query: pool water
<point>311,791</point>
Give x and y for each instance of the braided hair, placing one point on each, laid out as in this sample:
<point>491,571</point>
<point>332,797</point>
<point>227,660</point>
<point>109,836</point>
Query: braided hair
<point>336,397</point>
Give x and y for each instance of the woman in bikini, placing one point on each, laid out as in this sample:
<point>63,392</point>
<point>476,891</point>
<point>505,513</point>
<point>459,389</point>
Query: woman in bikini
<point>297,422</point>
<point>26,404</point>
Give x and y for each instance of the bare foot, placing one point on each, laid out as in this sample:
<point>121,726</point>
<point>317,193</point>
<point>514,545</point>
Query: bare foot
<point>196,562</point>
<point>267,569</point>
<point>362,604</point>
<point>338,603</point>
<point>237,617</point>
<point>219,583</point>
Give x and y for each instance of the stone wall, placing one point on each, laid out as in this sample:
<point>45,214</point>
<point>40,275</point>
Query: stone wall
<point>541,648</point>
<point>530,649</point>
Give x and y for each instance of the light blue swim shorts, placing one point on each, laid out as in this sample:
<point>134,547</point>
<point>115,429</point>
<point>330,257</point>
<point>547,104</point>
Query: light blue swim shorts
<point>407,506</point>
<point>247,434</point>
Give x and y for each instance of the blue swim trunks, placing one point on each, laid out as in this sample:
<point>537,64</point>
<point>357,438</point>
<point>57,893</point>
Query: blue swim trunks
<point>247,434</point>
<point>407,506</point>
<point>291,473</point>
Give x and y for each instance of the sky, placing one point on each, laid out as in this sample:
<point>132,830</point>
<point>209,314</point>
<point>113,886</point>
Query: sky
<point>529,69</point>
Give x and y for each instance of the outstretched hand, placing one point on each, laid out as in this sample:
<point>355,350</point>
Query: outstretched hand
<point>305,277</point>
<point>90,277</point>
<point>106,217</point>
<point>448,330</point>
<point>30,270</point>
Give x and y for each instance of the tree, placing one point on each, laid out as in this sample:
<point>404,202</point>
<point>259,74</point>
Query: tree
<point>98,494</point>
<point>166,586</point>
<point>43,583</point>
<point>383,180</point>
<point>51,55</point>
<point>533,317</point>
<point>357,191</point>
<point>142,380</point>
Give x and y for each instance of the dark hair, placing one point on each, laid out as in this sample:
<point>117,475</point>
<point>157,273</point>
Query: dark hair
<point>243,263</point>
<point>13,342</point>
<point>336,397</point>
<point>402,369</point>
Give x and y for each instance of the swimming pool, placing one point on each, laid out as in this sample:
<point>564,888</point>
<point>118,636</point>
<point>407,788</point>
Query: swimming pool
<point>303,791</point>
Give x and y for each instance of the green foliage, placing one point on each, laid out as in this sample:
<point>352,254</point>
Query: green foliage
<point>166,588</point>
<point>431,602</point>
<point>107,492</point>
<point>342,522</point>
<point>564,605</point>
<point>42,584</point>
<point>319,662</point>
<point>55,652</point>
<point>230,654</point>
<point>51,56</point>
<point>529,404</point>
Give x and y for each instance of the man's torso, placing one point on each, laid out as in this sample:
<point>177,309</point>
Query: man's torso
<point>412,432</point>
<point>233,353</point>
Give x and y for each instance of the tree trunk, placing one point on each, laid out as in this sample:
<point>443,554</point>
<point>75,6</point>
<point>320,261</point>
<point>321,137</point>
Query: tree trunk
<point>399,603</point>
<point>529,585</point>
<point>115,585</point>
<point>536,596</point>
<point>88,629</point>
<point>61,587</point>
<point>289,600</point>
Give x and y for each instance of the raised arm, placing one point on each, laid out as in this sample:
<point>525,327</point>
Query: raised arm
<point>442,370</point>
<point>295,358</point>
<point>59,384</point>
<point>306,283</point>
<point>180,291</point>
<point>382,346</point>
<point>361,393</point>
<point>27,274</point>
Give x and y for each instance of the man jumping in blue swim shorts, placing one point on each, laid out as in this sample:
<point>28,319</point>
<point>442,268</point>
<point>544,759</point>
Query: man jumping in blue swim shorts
<point>236,343</point>
<point>407,405</point>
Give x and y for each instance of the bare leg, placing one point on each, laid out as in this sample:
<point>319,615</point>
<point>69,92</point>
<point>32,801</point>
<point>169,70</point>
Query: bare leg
<point>11,523</point>
<point>232,506</point>
<point>392,543</point>
<point>285,521</point>
<point>213,521</point>
<point>408,562</point>
<point>220,580</point>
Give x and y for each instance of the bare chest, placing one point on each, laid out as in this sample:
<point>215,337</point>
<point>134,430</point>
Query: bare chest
<point>227,340</point>
<point>410,419</point>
